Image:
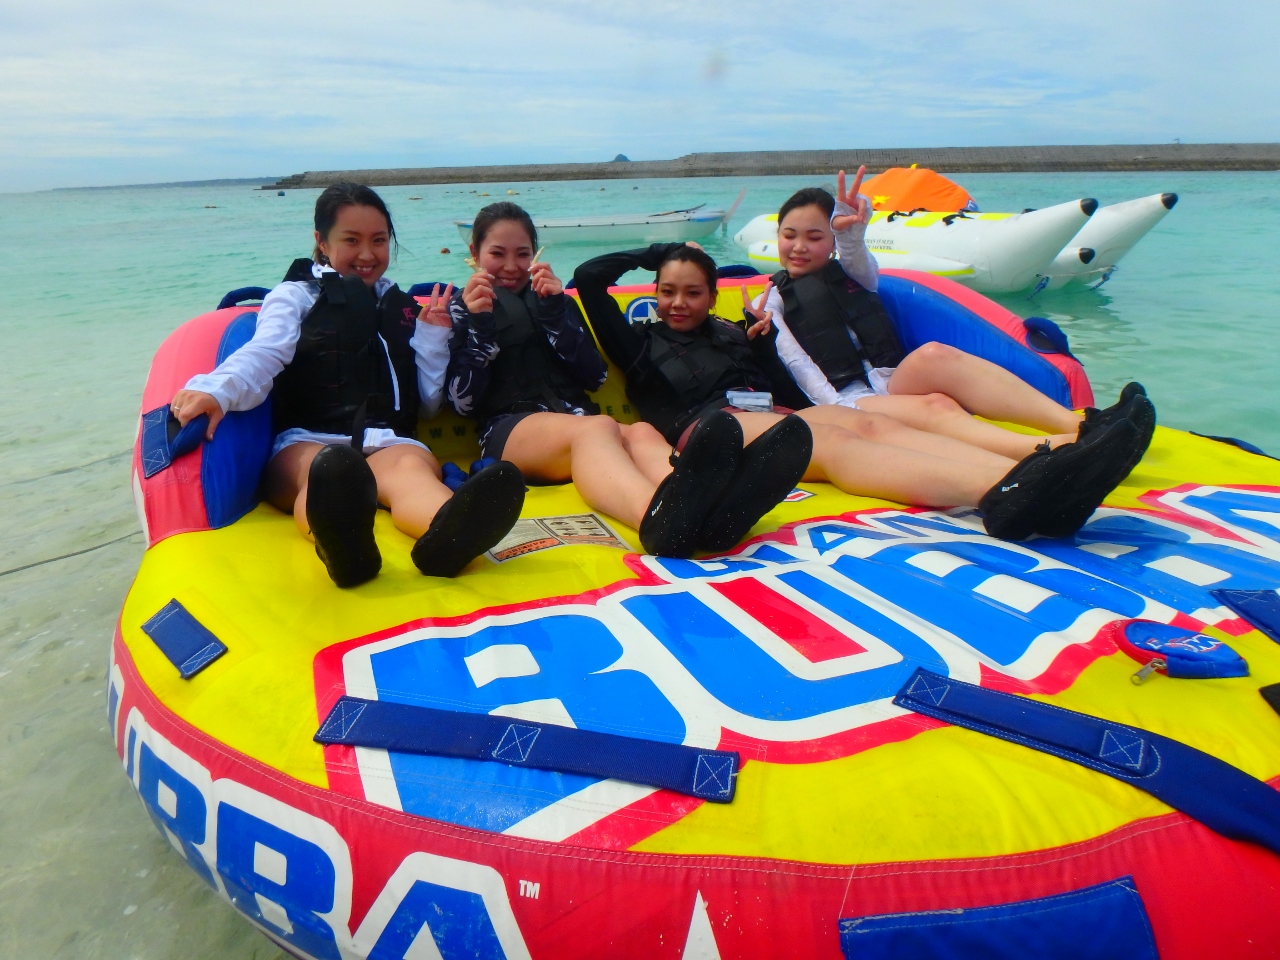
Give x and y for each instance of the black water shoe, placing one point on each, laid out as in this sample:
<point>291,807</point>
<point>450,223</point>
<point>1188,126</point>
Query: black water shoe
<point>1110,454</point>
<point>478,515</point>
<point>683,500</point>
<point>342,499</point>
<point>1011,508</point>
<point>772,464</point>
<point>1093,417</point>
<point>1141,413</point>
<point>1053,491</point>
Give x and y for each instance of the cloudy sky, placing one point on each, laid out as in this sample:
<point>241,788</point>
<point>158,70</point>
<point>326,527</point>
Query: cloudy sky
<point>132,92</point>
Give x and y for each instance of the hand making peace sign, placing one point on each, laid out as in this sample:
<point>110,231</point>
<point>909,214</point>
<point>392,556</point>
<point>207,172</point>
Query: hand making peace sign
<point>860,205</point>
<point>436,310</point>
<point>763,318</point>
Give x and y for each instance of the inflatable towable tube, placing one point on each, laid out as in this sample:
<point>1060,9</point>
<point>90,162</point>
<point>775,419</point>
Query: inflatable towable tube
<point>869,731</point>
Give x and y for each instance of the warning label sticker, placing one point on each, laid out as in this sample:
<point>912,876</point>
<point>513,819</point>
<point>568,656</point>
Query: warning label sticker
<point>542,533</point>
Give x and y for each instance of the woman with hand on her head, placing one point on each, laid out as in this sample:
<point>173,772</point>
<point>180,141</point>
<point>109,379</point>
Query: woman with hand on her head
<point>681,370</point>
<point>523,363</point>
<point>342,351</point>
<point>839,343</point>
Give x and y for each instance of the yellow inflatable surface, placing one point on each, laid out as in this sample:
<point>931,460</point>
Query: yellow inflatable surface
<point>789,650</point>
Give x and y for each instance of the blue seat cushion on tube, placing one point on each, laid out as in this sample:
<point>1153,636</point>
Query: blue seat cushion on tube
<point>1104,922</point>
<point>1222,797</point>
<point>406,728</point>
<point>922,315</point>
<point>234,459</point>
<point>188,643</point>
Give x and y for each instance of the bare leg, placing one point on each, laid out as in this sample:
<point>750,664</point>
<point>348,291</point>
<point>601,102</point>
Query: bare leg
<point>648,450</point>
<point>882,429</point>
<point>287,481</point>
<point>870,469</point>
<point>409,485</point>
<point>938,413</point>
<point>980,387</point>
<point>588,450</point>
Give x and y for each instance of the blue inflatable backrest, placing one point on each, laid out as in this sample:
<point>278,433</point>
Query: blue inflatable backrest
<point>922,315</point>
<point>242,295</point>
<point>233,461</point>
<point>730,270</point>
<point>424,289</point>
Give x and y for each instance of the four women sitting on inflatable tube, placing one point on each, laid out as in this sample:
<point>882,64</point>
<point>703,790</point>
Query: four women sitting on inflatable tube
<point>352,356</point>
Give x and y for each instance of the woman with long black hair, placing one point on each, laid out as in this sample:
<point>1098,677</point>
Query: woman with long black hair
<point>523,366</point>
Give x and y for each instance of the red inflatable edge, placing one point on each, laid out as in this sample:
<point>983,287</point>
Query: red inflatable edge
<point>564,902</point>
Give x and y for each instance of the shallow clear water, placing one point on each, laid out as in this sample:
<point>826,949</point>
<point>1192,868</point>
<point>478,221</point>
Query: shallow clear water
<point>94,280</point>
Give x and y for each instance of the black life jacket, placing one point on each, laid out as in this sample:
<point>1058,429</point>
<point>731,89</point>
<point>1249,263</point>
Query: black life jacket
<point>353,350</point>
<point>702,364</point>
<point>822,308</point>
<point>527,373</point>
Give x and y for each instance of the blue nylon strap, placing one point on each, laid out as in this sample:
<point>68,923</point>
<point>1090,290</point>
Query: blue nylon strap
<point>1260,607</point>
<point>1222,797</point>
<point>183,639</point>
<point>708,774</point>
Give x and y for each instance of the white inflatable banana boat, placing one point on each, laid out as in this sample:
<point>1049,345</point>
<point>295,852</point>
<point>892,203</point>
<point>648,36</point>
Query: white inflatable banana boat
<point>1111,232</point>
<point>989,252</point>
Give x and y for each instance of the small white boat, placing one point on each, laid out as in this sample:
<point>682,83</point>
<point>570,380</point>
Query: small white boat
<point>990,252</point>
<point>1093,253</point>
<point>669,227</point>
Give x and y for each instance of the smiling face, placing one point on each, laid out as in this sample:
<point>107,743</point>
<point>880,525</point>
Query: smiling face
<point>684,298</point>
<point>506,252</point>
<point>358,244</point>
<point>805,241</point>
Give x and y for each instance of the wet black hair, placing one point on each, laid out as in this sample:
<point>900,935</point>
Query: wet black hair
<point>808,197</point>
<point>495,213</point>
<point>699,258</point>
<point>346,194</point>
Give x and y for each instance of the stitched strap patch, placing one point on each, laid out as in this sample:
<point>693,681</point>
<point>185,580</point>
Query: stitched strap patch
<point>188,643</point>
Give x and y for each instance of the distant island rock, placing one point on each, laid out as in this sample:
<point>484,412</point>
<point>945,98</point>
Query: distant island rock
<point>622,158</point>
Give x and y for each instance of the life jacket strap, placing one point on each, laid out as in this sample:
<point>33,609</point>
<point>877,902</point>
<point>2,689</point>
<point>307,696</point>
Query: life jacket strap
<point>707,774</point>
<point>1222,797</point>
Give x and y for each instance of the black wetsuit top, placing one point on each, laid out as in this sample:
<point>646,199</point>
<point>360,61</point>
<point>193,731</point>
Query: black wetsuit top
<point>672,377</point>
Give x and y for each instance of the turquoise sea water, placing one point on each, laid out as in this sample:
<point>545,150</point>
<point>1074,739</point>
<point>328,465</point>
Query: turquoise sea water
<point>94,280</point>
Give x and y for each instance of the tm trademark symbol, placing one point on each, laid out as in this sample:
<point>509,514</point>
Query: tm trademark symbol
<point>530,889</point>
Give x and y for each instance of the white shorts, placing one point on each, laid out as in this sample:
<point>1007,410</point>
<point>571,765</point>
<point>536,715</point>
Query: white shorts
<point>877,385</point>
<point>375,438</point>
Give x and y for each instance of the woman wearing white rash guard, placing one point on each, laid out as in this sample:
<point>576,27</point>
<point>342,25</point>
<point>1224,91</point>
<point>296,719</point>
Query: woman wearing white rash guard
<point>341,350</point>
<point>934,388</point>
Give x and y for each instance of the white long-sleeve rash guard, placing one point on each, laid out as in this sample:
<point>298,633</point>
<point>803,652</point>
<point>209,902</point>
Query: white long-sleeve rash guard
<point>244,379</point>
<point>857,263</point>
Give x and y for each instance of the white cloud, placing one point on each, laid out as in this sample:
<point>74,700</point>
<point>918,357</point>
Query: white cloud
<point>143,91</point>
